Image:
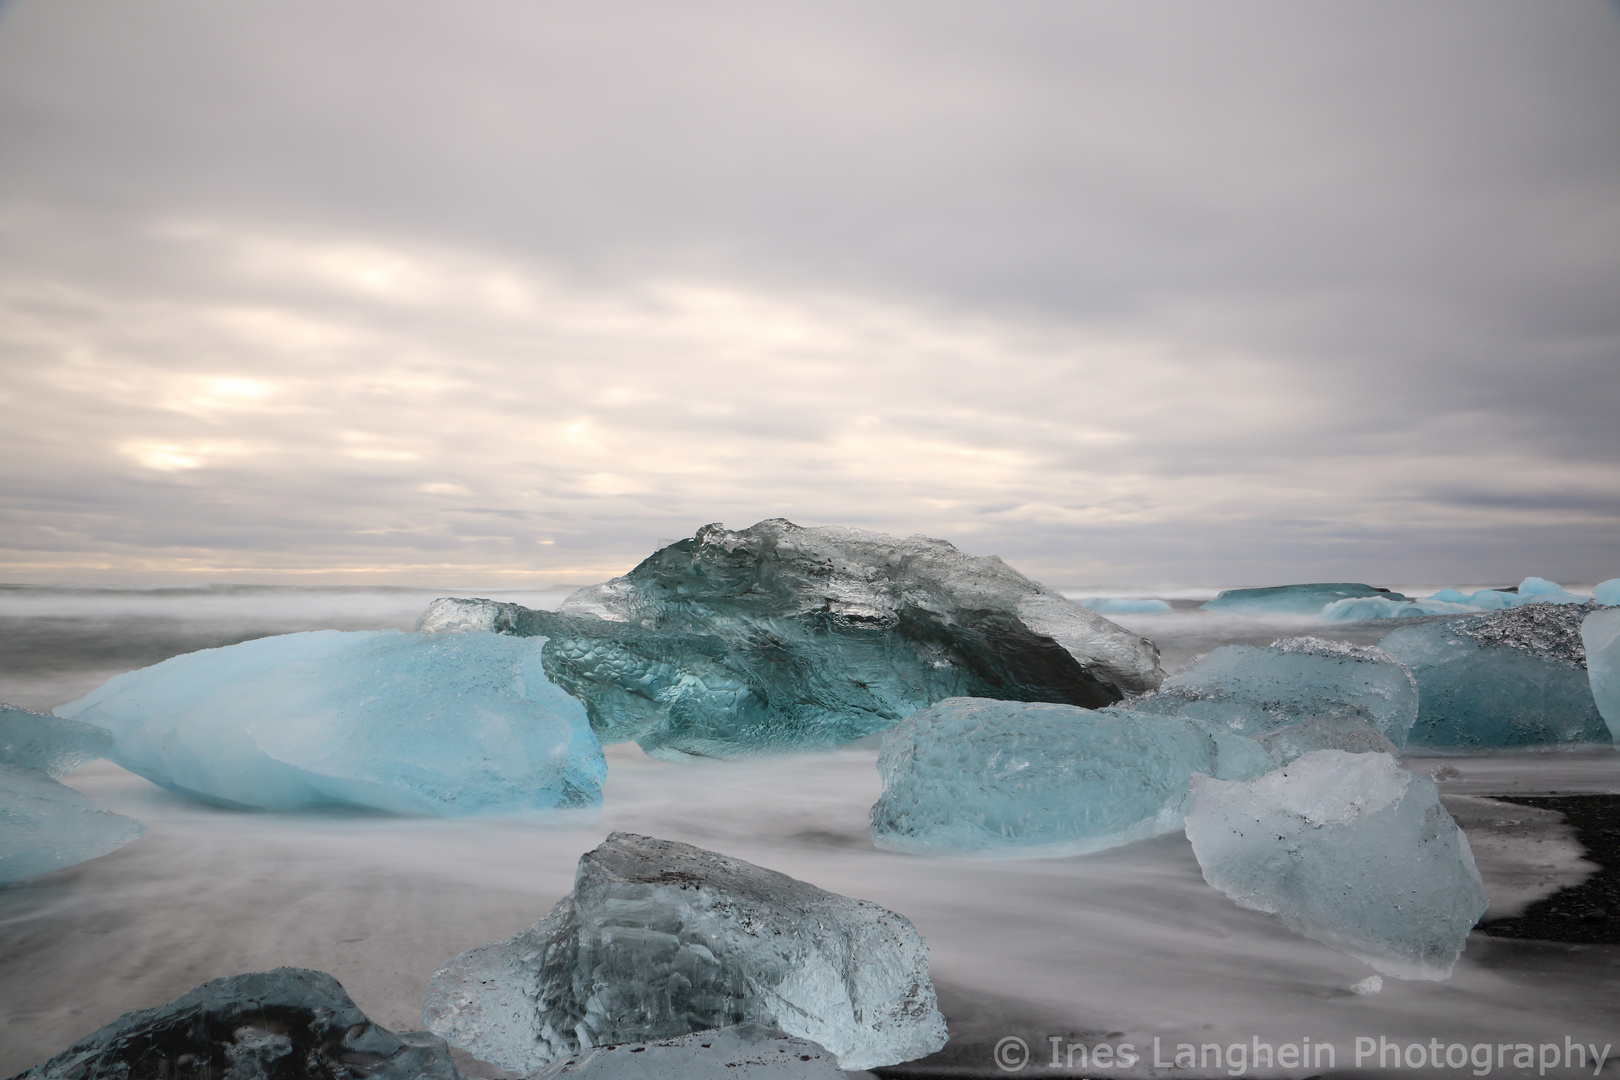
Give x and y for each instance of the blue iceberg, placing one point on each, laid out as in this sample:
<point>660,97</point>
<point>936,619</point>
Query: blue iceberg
<point>1254,690</point>
<point>1292,599</point>
<point>1608,592</point>
<point>1025,780</point>
<point>1532,590</point>
<point>410,723</point>
<point>1119,605</point>
<point>46,826</point>
<point>50,744</point>
<point>1600,637</point>
<point>1348,849</point>
<point>1363,608</point>
<point>1510,678</point>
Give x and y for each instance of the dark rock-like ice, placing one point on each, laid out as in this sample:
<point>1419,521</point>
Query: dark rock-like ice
<point>1021,780</point>
<point>779,637</point>
<point>1349,849</point>
<point>286,1024</point>
<point>46,826</point>
<point>660,939</point>
<point>1254,690</point>
<point>1509,678</point>
<point>744,1052</point>
<point>1292,599</point>
<point>53,745</point>
<point>1600,638</point>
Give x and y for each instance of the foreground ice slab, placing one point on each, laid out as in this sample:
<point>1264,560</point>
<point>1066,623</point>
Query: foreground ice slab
<point>1600,636</point>
<point>46,826</point>
<point>1500,679</point>
<point>659,939</point>
<point>1021,780</point>
<point>50,744</point>
<point>1254,690</point>
<point>1292,599</point>
<point>285,1024</point>
<point>779,637</point>
<point>463,724</point>
<point>744,1052</point>
<point>1349,849</point>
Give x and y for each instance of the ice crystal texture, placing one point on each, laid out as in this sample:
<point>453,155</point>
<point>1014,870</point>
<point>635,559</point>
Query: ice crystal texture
<point>1325,733</point>
<point>1600,638</point>
<point>660,939</point>
<point>46,826</point>
<point>1018,780</point>
<point>51,744</point>
<point>744,1052</point>
<point>1349,849</point>
<point>410,723</point>
<point>1292,599</point>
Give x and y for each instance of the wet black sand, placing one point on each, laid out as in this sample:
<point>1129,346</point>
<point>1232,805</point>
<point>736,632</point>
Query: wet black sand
<point>1588,913</point>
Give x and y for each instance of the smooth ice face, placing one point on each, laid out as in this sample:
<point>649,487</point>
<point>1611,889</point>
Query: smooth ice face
<point>415,724</point>
<point>660,939</point>
<point>1348,849</point>
<point>1607,592</point>
<point>1009,779</point>
<point>744,1052</point>
<point>268,1025</point>
<point>1347,733</point>
<point>1600,636</point>
<point>780,638</point>
<point>1292,599</point>
<point>1117,605</point>
<point>1364,608</point>
<point>1254,690</point>
<point>51,744</point>
<point>46,826</point>
<point>1503,678</point>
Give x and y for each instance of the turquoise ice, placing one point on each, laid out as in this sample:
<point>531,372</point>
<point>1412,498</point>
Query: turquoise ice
<point>1292,599</point>
<point>1348,849</point>
<point>1600,636</point>
<point>1120,605</point>
<point>1607,592</point>
<point>409,723</point>
<point>1362,608</point>
<point>1023,780</point>
<point>53,745</point>
<point>46,826</point>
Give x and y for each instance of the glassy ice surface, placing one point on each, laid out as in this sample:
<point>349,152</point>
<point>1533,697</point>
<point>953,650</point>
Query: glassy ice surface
<point>1349,849</point>
<point>1253,690</point>
<point>1292,599</point>
<point>1600,636</point>
<point>409,723</point>
<point>1119,605</point>
<point>1607,592</point>
<point>1325,733</point>
<point>778,637</point>
<point>743,1052</point>
<point>659,939</point>
<point>270,1025</point>
<point>1507,678</point>
<point>1023,780</point>
<point>53,745</point>
<point>46,826</point>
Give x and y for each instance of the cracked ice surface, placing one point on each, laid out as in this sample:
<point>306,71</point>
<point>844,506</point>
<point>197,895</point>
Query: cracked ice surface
<point>51,744</point>
<point>659,939</point>
<point>1348,849</point>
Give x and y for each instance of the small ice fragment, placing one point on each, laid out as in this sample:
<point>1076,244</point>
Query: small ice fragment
<point>46,826</point>
<point>1348,849</point>
<point>1445,774</point>
<point>1600,635</point>
<point>1608,592</point>
<point>749,1051</point>
<point>1369,986</point>
<point>1119,605</point>
<point>1292,599</point>
<point>53,745</point>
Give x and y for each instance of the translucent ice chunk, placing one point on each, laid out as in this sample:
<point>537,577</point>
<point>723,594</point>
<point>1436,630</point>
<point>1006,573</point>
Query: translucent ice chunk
<point>1360,608</point>
<point>1482,600</point>
<point>779,637</point>
<point>46,826</point>
<point>1119,605</point>
<point>1535,590</point>
<point>1292,599</point>
<point>446,724</point>
<point>1349,849</point>
<point>1600,635</point>
<point>659,939</point>
<point>1253,690</point>
<point>1503,678</point>
<point>743,1052</point>
<point>1532,590</point>
<point>268,1025</point>
<point>1022,780</point>
<point>1325,733</point>
<point>51,744</point>
<point>1607,592</point>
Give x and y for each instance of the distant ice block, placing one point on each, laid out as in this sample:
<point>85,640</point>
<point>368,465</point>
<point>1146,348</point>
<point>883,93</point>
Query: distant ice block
<point>284,1024</point>
<point>1481,600</point>
<point>409,723</point>
<point>1608,592</point>
<point>1021,780</point>
<point>1292,599</point>
<point>1254,690</point>
<point>778,637</point>
<point>46,826</point>
<point>1119,605</point>
<point>1532,590</point>
<point>1363,608</point>
<point>51,744</point>
<point>1348,849</point>
<point>744,1052</point>
<point>1500,679</point>
<point>660,939</point>
<point>1600,636</point>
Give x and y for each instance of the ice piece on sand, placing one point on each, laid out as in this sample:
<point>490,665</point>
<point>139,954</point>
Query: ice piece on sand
<point>1366,608</point>
<point>1600,635</point>
<point>779,638</point>
<point>1499,679</point>
<point>659,939</point>
<point>1292,599</point>
<point>410,723</point>
<point>268,1025</point>
<point>51,744</point>
<point>46,826</point>
<point>743,1052</point>
<point>1607,592</point>
<point>1532,590</point>
<point>1253,690</point>
<point>1535,590</point>
<point>1119,605</point>
<point>1325,733</point>
<point>1482,600</point>
<point>1349,849</point>
<point>1010,779</point>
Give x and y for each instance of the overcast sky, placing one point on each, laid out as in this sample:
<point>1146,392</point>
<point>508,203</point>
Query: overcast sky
<point>460,293</point>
